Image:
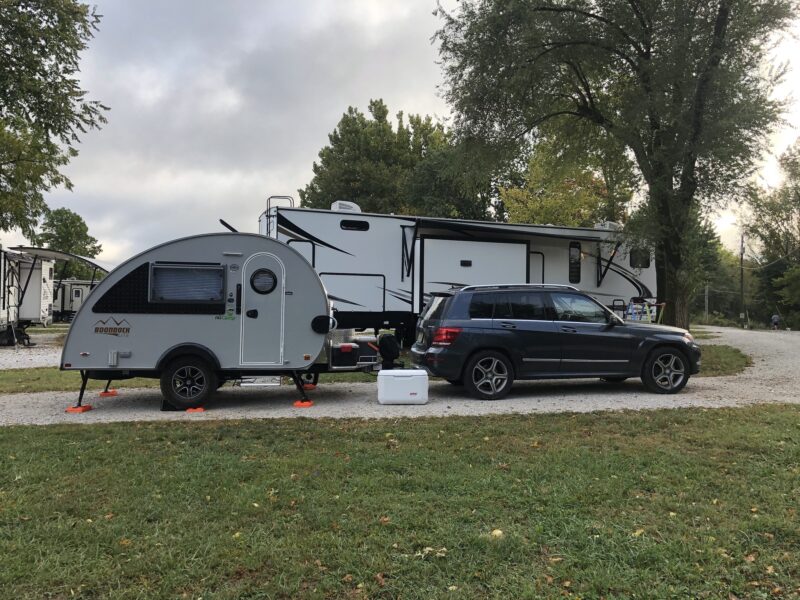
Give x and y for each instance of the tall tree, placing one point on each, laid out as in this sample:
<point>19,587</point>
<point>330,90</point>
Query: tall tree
<point>367,160</point>
<point>43,110</point>
<point>681,84</point>
<point>66,231</point>
<point>412,168</point>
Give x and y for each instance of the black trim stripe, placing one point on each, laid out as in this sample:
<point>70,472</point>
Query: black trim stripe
<point>295,229</point>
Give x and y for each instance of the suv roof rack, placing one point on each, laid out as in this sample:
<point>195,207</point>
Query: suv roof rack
<point>506,286</point>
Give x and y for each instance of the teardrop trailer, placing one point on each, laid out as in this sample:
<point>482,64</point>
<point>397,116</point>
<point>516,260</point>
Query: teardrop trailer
<point>199,311</point>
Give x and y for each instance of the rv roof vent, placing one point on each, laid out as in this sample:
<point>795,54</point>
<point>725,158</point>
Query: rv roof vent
<point>344,206</point>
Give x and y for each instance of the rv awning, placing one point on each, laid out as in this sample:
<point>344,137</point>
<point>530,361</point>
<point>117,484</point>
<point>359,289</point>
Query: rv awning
<point>551,231</point>
<point>48,254</point>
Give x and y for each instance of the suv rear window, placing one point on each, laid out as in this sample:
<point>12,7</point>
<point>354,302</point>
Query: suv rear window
<point>434,308</point>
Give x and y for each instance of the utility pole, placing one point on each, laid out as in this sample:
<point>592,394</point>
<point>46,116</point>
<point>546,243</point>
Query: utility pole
<point>741,281</point>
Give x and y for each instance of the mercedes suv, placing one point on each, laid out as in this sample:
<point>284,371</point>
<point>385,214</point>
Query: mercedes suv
<point>485,337</point>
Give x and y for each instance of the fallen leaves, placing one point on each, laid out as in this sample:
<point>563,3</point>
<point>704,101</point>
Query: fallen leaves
<point>638,533</point>
<point>497,533</point>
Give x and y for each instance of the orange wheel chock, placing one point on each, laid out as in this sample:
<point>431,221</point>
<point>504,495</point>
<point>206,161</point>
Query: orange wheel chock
<point>309,386</point>
<point>79,409</point>
<point>108,394</point>
<point>303,404</point>
<point>199,409</point>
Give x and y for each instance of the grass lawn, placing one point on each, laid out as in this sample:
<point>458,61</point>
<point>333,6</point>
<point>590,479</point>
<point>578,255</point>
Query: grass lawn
<point>667,504</point>
<point>723,360</point>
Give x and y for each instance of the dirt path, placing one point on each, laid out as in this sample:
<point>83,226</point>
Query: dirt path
<point>773,378</point>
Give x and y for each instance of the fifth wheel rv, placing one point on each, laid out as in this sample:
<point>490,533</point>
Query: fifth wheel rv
<point>380,270</point>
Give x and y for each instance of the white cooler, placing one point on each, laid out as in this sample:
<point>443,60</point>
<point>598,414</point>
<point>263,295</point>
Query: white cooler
<point>402,386</point>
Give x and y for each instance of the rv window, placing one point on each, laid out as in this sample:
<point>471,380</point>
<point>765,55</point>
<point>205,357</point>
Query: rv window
<point>574,262</point>
<point>263,281</point>
<point>640,259</point>
<point>187,284</point>
<point>350,225</point>
<point>76,293</point>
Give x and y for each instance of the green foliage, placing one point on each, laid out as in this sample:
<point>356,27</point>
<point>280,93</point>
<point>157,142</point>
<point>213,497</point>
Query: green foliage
<point>410,169</point>
<point>681,85</point>
<point>578,180</point>
<point>42,108</point>
<point>774,225</point>
<point>66,231</point>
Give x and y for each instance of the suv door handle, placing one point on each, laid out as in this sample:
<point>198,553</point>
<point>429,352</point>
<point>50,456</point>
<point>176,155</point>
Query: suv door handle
<point>252,313</point>
<point>566,329</point>
<point>507,325</point>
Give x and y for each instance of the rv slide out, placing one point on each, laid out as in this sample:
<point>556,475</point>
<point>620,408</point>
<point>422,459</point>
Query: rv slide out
<point>380,270</point>
<point>201,310</point>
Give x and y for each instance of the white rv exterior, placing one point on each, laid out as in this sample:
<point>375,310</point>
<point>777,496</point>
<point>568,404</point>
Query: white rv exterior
<point>380,269</point>
<point>36,278</point>
<point>69,296</point>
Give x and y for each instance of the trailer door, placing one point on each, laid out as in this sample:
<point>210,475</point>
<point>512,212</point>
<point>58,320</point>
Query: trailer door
<point>263,308</point>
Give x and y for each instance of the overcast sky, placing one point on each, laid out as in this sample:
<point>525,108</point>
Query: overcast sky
<point>217,105</point>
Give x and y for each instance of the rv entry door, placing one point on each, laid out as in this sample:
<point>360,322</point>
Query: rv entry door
<point>263,308</point>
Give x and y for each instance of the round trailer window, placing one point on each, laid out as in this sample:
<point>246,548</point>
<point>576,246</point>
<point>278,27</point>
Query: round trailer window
<point>263,281</point>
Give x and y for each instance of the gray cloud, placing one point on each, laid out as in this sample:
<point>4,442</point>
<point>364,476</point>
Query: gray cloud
<point>216,105</point>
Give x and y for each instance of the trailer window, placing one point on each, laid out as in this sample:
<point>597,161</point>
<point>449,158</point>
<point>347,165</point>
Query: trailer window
<point>350,225</point>
<point>131,294</point>
<point>640,259</point>
<point>263,281</point>
<point>187,283</point>
<point>574,262</point>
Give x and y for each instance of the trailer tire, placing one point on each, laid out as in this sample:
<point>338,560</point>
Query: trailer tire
<point>188,381</point>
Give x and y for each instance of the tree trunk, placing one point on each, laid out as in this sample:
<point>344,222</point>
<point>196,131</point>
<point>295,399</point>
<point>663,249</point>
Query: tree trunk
<point>676,292</point>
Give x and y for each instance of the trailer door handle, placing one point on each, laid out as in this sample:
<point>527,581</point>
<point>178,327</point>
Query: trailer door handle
<point>252,313</point>
<point>507,325</point>
<point>566,329</point>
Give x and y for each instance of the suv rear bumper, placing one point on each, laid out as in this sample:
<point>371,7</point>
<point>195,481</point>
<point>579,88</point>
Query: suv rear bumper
<point>439,362</point>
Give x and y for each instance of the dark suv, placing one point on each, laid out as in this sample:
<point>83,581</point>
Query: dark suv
<point>484,337</point>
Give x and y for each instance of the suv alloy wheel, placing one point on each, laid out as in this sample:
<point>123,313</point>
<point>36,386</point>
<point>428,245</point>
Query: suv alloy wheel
<point>488,375</point>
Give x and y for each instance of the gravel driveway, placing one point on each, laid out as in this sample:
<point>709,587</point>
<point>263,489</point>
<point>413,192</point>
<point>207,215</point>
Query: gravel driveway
<point>774,378</point>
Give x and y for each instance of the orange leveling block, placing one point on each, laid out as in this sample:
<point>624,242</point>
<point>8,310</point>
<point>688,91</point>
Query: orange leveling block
<point>106,393</point>
<point>199,409</point>
<point>309,387</point>
<point>304,402</point>
<point>80,407</point>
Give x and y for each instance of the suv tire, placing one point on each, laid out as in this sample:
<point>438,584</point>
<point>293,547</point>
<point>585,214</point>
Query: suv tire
<point>666,371</point>
<point>188,382</point>
<point>488,375</point>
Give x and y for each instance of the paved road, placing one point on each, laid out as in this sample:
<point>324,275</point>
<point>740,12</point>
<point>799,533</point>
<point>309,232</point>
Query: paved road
<point>774,378</point>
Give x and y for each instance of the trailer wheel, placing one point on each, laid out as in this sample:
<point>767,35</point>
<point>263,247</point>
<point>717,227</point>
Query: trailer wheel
<point>188,382</point>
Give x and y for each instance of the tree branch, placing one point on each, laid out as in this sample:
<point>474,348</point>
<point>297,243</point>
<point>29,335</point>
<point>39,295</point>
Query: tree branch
<point>590,15</point>
<point>688,181</point>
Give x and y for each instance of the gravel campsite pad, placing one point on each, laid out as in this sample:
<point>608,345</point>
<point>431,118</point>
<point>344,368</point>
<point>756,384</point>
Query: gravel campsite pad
<point>773,378</point>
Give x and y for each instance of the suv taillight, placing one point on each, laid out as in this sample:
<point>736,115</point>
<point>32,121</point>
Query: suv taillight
<point>444,336</point>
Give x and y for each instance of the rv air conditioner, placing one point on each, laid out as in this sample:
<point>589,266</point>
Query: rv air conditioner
<point>344,206</point>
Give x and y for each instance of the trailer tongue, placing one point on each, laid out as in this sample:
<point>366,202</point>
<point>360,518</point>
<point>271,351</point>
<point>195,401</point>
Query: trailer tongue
<point>199,311</point>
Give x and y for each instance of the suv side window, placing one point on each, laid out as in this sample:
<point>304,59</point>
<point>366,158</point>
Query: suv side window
<point>526,305</point>
<point>480,306</point>
<point>572,307</point>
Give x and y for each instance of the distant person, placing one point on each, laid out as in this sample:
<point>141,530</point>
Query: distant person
<point>776,320</point>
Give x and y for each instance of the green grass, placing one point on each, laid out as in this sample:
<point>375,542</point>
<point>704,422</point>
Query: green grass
<point>54,328</point>
<point>721,360</point>
<point>667,504</point>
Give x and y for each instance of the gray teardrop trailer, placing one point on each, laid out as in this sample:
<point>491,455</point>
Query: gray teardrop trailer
<point>201,310</point>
